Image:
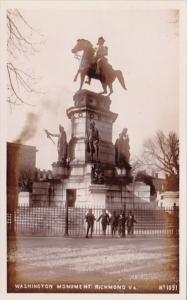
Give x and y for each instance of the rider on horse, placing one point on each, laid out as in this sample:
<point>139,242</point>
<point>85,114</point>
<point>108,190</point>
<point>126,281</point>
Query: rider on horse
<point>96,65</point>
<point>99,58</point>
<point>102,51</point>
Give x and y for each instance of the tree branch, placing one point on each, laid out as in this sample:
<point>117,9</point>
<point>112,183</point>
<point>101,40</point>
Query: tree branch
<point>18,44</point>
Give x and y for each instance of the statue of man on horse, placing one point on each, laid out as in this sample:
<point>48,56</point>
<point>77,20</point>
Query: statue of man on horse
<point>100,57</point>
<point>94,64</point>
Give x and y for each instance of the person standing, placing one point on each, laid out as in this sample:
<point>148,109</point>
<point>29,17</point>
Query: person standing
<point>90,219</point>
<point>130,223</point>
<point>104,217</point>
<point>121,223</point>
<point>114,222</point>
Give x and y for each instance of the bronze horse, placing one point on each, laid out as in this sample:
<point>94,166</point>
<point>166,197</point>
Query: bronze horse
<point>88,67</point>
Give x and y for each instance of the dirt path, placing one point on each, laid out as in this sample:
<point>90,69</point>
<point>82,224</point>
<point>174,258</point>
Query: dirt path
<point>37,259</point>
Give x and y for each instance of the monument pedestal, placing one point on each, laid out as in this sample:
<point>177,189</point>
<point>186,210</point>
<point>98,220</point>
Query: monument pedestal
<point>84,185</point>
<point>89,107</point>
<point>86,181</point>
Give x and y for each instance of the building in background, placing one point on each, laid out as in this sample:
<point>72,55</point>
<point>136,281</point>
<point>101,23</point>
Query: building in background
<point>21,169</point>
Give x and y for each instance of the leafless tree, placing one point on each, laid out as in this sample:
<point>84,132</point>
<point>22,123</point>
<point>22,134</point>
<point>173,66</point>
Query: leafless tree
<point>26,178</point>
<point>136,165</point>
<point>162,151</point>
<point>20,46</point>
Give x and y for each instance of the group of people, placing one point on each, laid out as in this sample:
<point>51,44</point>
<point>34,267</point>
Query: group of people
<point>117,222</point>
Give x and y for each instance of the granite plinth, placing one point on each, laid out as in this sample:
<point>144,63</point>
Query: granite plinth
<point>89,107</point>
<point>90,99</point>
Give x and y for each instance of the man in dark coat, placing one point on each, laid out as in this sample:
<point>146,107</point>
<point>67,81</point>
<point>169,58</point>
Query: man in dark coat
<point>121,223</point>
<point>130,223</point>
<point>90,218</point>
<point>114,222</point>
<point>104,217</point>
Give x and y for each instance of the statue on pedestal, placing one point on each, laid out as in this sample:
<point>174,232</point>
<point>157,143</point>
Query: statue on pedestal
<point>61,144</point>
<point>93,141</point>
<point>122,151</point>
<point>97,173</point>
<point>100,57</point>
<point>71,149</point>
<point>96,65</point>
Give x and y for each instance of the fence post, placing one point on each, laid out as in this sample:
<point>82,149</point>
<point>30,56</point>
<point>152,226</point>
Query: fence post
<point>66,219</point>
<point>133,191</point>
<point>12,207</point>
<point>13,231</point>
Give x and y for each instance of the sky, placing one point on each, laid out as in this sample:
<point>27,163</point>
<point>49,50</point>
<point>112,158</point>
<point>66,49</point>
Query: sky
<point>143,44</point>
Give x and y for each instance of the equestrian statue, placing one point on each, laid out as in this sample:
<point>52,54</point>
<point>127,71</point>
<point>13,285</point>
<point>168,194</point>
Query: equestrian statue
<point>95,65</point>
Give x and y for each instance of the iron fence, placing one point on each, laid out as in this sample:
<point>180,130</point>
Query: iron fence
<point>70,221</point>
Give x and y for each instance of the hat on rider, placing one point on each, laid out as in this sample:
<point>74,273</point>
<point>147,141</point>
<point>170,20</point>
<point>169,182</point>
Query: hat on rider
<point>125,130</point>
<point>100,39</point>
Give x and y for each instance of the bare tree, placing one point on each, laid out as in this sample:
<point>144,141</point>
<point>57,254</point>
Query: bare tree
<point>26,178</point>
<point>162,151</point>
<point>20,45</point>
<point>136,164</point>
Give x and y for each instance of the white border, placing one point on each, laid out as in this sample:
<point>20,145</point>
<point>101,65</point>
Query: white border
<point>181,5</point>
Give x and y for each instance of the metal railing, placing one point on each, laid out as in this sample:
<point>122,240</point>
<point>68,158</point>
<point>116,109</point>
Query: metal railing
<point>70,221</point>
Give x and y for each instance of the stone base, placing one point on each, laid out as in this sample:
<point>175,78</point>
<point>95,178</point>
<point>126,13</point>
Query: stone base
<point>77,184</point>
<point>40,193</point>
<point>76,187</point>
<point>60,171</point>
<point>91,107</point>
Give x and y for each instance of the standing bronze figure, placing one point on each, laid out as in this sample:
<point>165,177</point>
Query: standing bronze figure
<point>122,151</point>
<point>93,141</point>
<point>61,145</point>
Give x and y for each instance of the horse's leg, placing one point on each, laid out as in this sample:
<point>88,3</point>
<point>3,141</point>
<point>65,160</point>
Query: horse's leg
<point>97,152</point>
<point>88,81</point>
<point>89,71</point>
<point>104,85</point>
<point>75,78</point>
<point>111,88</point>
<point>83,73</point>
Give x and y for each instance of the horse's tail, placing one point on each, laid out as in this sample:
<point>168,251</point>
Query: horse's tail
<point>120,77</point>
